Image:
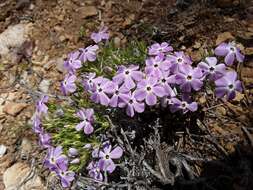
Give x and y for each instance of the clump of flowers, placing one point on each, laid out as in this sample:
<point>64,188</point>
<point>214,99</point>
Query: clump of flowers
<point>169,78</point>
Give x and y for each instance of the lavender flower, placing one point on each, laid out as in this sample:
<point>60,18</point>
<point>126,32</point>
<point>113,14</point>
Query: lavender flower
<point>155,66</point>
<point>185,105</point>
<point>132,104</point>
<point>149,89</point>
<point>178,60</point>
<point>102,89</point>
<point>212,69</point>
<point>118,93</point>
<point>88,53</point>
<point>95,171</point>
<point>37,124</point>
<point>73,63</point>
<point>89,81</point>
<point>68,84</point>
<point>66,176</point>
<point>157,48</point>
<point>107,155</point>
<point>165,81</point>
<point>128,76</point>
<point>230,51</point>
<point>189,78</point>
<point>87,117</point>
<point>45,140</point>
<point>55,159</point>
<point>41,106</point>
<point>228,85</point>
<point>102,34</point>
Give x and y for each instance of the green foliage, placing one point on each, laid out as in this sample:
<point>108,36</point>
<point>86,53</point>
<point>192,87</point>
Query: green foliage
<point>61,119</point>
<point>110,57</point>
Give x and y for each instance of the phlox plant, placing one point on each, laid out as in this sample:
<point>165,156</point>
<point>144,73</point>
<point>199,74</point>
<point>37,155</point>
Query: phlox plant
<point>102,77</point>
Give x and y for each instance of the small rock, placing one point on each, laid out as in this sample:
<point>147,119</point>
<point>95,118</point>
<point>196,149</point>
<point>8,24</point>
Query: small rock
<point>44,85</point>
<point>26,148</point>
<point>87,11</point>
<point>202,100</point>
<point>197,45</point>
<point>221,110</point>
<point>223,37</point>
<point>13,108</point>
<point>117,41</point>
<point>14,177</point>
<point>3,150</point>
<point>249,51</point>
<point>239,96</point>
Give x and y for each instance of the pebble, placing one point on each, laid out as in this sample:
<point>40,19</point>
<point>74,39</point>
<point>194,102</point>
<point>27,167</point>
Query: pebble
<point>44,85</point>
<point>3,150</point>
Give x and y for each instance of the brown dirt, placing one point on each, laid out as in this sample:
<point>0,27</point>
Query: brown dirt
<point>62,26</point>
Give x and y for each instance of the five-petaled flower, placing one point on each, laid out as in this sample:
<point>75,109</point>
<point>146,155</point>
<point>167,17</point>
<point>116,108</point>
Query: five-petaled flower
<point>88,53</point>
<point>184,105</point>
<point>95,170</point>
<point>128,76</point>
<point>68,84</point>
<point>102,34</point>
<point>228,85</point>
<point>178,60</point>
<point>73,62</point>
<point>230,51</point>
<point>157,48</point>
<point>188,78</point>
<point>132,105</point>
<point>156,65</point>
<point>107,155</point>
<point>212,69</point>
<point>148,90</point>
<point>87,117</point>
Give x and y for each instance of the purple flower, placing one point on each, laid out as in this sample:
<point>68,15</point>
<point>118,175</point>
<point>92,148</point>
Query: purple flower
<point>117,95</point>
<point>185,105</point>
<point>73,152</point>
<point>107,155</point>
<point>66,176</point>
<point>157,48</point>
<point>189,78</point>
<point>73,63</point>
<point>55,158</point>
<point>165,80</point>
<point>132,104</point>
<point>128,76</point>
<point>37,124</point>
<point>45,140</point>
<point>228,85</point>
<point>149,89</point>
<point>88,53</point>
<point>103,87</point>
<point>155,66</point>
<point>212,69</point>
<point>178,60</point>
<point>102,34</point>
<point>68,84</point>
<point>41,106</point>
<point>87,117</point>
<point>95,171</point>
<point>89,81</point>
<point>230,51</point>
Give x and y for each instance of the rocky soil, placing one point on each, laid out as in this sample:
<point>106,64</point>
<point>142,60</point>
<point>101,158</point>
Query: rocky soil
<point>35,37</point>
